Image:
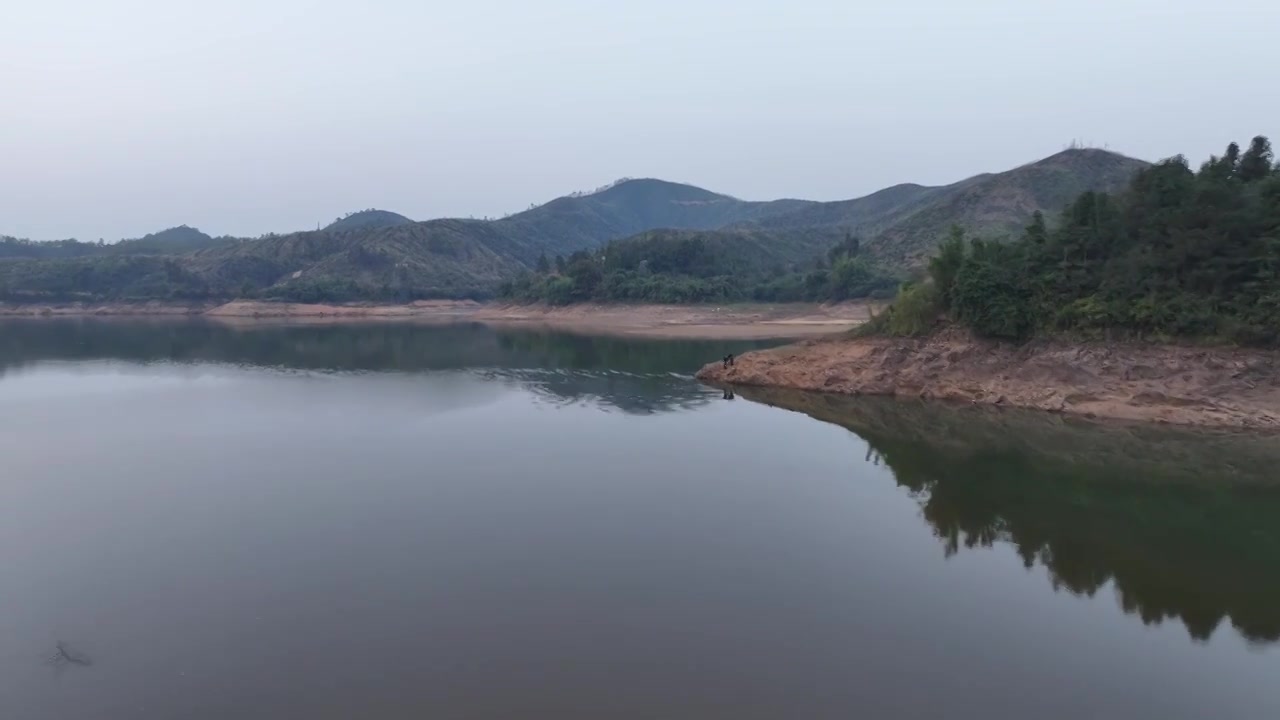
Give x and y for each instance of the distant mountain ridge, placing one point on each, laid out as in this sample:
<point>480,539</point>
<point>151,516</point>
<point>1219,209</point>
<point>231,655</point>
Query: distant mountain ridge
<point>172,241</point>
<point>370,219</point>
<point>380,255</point>
<point>175,240</point>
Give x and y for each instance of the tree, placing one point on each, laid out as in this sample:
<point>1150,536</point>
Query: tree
<point>1256,162</point>
<point>560,264</point>
<point>1232,157</point>
<point>944,267</point>
<point>849,247</point>
<point>586,275</point>
<point>1037,232</point>
<point>543,266</point>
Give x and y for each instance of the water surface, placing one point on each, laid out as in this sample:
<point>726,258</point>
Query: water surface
<point>392,521</point>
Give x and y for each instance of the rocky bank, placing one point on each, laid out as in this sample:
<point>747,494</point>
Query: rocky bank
<point>1186,385</point>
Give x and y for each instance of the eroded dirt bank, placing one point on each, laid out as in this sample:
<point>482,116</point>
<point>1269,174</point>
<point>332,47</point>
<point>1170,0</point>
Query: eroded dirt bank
<point>1227,387</point>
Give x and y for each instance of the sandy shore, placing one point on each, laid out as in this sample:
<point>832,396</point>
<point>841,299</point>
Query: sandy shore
<point>153,308</point>
<point>693,321</point>
<point>1224,387</point>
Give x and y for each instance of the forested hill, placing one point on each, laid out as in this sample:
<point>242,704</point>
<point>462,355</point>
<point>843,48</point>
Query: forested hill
<point>905,223</point>
<point>370,219</point>
<point>1178,253</point>
<point>722,266</point>
<point>173,241</point>
<point>586,221</point>
<point>381,256</point>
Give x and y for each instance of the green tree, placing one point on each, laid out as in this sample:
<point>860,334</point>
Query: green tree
<point>543,266</point>
<point>1037,232</point>
<point>1256,163</point>
<point>944,266</point>
<point>585,273</point>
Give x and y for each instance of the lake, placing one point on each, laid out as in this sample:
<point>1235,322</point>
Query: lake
<point>387,521</point>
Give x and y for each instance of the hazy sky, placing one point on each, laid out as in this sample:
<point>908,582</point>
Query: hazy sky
<point>242,117</point>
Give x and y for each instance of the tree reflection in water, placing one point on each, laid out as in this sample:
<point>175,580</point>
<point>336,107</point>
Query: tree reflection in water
<point>1184,524</point>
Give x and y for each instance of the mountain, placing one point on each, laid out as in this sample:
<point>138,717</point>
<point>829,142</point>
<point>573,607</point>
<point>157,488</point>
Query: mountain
<point>379,255</point>
<point>456,258</point>
<point>367,220</point>
<point>440,258</point>
<point>1001,205</point>
<point>174,241</point>
<point>628,207</point>
<point>867,215</point>
<point>904,223</point>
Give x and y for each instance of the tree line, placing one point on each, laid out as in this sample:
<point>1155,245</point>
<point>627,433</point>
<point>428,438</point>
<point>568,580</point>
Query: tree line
<point>1178,254</point>
<point>676,267</point>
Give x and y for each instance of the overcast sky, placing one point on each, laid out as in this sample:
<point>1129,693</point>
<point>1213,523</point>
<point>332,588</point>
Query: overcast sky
<point>241,117</point>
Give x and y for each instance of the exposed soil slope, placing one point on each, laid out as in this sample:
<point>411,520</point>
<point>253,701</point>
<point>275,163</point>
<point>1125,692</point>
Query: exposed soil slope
<point>1174,384</point>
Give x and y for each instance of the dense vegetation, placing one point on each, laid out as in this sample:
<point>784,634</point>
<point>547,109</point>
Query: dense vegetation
<point>1177,254</point>
<point>722,266</point>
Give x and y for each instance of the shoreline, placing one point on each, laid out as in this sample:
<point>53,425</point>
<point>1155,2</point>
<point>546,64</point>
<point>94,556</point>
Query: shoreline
<point>1179,385</point>
<point>723,322</point>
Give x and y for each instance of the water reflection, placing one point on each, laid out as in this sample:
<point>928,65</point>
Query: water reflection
<point>1183,524</point>
<point>634,376</point>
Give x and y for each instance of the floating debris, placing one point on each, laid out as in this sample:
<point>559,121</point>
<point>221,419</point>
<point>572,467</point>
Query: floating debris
<point>67,655</point>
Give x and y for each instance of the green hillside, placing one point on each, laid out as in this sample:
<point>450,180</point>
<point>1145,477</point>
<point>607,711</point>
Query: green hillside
<point>174,241</point>
<point>681,266</point>
<point>580,222</point>
<point>465,258</point>
<point>1177,253</point>
<point>904,224</point>
<point>441,258</point>
<point>999,206</point>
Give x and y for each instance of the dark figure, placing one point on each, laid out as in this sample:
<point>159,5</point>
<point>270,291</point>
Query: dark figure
<point>728,360</point>
<point>728,394</point>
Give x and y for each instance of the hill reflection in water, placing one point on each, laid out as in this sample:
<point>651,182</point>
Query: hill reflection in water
<point>639,376</point>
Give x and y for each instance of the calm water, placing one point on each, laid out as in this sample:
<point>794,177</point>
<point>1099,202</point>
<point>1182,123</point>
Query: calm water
<point>396,522</point>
